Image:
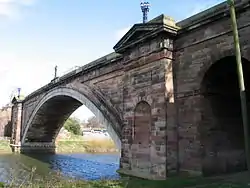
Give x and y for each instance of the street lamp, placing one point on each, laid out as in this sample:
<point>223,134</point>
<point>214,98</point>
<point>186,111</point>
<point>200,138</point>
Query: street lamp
<point>55,72</point>
<point>18,92</point>
<point>241,81</point>
<point>145,10</point>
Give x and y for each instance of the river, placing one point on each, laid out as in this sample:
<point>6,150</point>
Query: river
<point>78,166</point>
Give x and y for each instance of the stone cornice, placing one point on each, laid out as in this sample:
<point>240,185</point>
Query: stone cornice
<point>145,36</point>
<point>139,33</point>
<point>148,31</point>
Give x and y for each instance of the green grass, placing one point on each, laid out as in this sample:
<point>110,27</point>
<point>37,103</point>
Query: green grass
<point>5,146</point>
<point>74,144</point>
<point>77,144</point>
<point>177,182</point>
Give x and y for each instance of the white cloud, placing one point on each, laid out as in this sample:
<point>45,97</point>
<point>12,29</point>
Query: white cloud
<point>32,71</point>
<point>121,32</point>
<point>12,8</point>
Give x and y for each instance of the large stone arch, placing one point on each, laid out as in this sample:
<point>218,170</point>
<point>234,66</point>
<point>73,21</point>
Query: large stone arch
<point>74,98</point>
<point>221,129</point>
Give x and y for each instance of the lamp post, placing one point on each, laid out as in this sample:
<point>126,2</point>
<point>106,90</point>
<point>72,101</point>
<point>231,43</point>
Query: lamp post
<point>241,80</point>
<point>145,10</point>
<point>55,71</point>
<point>18,92</point>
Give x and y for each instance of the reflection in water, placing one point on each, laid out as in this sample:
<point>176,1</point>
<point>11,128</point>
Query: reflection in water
<point>79,166</point>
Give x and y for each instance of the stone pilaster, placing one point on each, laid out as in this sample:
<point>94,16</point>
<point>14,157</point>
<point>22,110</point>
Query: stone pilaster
<point>16,120</point>
<point>149,139</point>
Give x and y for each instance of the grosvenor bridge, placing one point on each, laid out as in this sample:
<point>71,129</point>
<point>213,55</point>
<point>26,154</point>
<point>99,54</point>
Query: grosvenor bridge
<point>168,95</point>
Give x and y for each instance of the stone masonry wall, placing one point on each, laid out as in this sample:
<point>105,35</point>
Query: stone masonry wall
<point>196,50</point>
<point>110,84</point>
<point>144,81</point>
<point>106,80</point>
<point>5,121</point>
<point>16,120</point>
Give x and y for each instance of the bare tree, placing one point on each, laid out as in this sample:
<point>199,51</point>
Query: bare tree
<point>93,122</point>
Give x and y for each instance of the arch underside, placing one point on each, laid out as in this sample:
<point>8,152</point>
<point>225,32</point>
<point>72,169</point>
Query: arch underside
<point>56,107</point>
<point>221,130</point>
<point>50,118</point>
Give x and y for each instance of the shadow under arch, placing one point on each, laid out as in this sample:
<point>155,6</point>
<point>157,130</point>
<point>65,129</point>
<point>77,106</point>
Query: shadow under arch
<point>55,108</point>
<point>221,130</point>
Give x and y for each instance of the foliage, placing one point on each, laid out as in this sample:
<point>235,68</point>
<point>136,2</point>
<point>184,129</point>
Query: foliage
<point>73,125</point>
<point>5,146</point>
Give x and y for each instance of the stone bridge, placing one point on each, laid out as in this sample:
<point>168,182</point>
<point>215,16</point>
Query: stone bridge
<point>168,94</point>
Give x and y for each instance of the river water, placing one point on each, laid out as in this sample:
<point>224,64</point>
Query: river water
<point>78,166</point>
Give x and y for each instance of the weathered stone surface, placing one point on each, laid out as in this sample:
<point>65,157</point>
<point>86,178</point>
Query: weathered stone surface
<point>5,121</point>
<point>16,120</point>
<point>202,42</point>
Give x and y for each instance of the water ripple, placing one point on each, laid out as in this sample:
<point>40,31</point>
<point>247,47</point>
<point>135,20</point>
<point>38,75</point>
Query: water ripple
<point>78,166</point>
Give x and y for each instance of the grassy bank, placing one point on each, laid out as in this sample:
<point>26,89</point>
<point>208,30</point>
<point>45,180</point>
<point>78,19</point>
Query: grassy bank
<point>79,146</point>
<point>234,181</point>
<point>74,144</point>
<point>5,146</point>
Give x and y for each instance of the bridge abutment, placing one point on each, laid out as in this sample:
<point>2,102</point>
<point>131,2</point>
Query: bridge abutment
<point>49,148</point>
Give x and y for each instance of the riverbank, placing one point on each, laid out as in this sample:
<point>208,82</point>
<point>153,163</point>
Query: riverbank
<point>240,180</point>
<point>5,146</point>
<point>75,144</point>
<point>90,146</point>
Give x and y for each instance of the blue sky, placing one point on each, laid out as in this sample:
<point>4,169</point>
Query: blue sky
<point>36,35</point>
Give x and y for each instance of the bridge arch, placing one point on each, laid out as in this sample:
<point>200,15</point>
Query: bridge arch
<point>57,105</point>
<point>221,129</point>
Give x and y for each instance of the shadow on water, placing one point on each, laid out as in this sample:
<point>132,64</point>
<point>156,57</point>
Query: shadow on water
<point>81,166</point>
<point>78,166</point>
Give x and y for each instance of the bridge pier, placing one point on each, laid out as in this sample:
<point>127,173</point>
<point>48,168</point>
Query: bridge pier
<point>16,120</point>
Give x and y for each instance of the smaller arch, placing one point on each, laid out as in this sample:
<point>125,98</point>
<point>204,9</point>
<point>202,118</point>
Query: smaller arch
<point>140,147</point>
<point>75,98</point>
<point>213,57</point>
<point>221,129</point>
